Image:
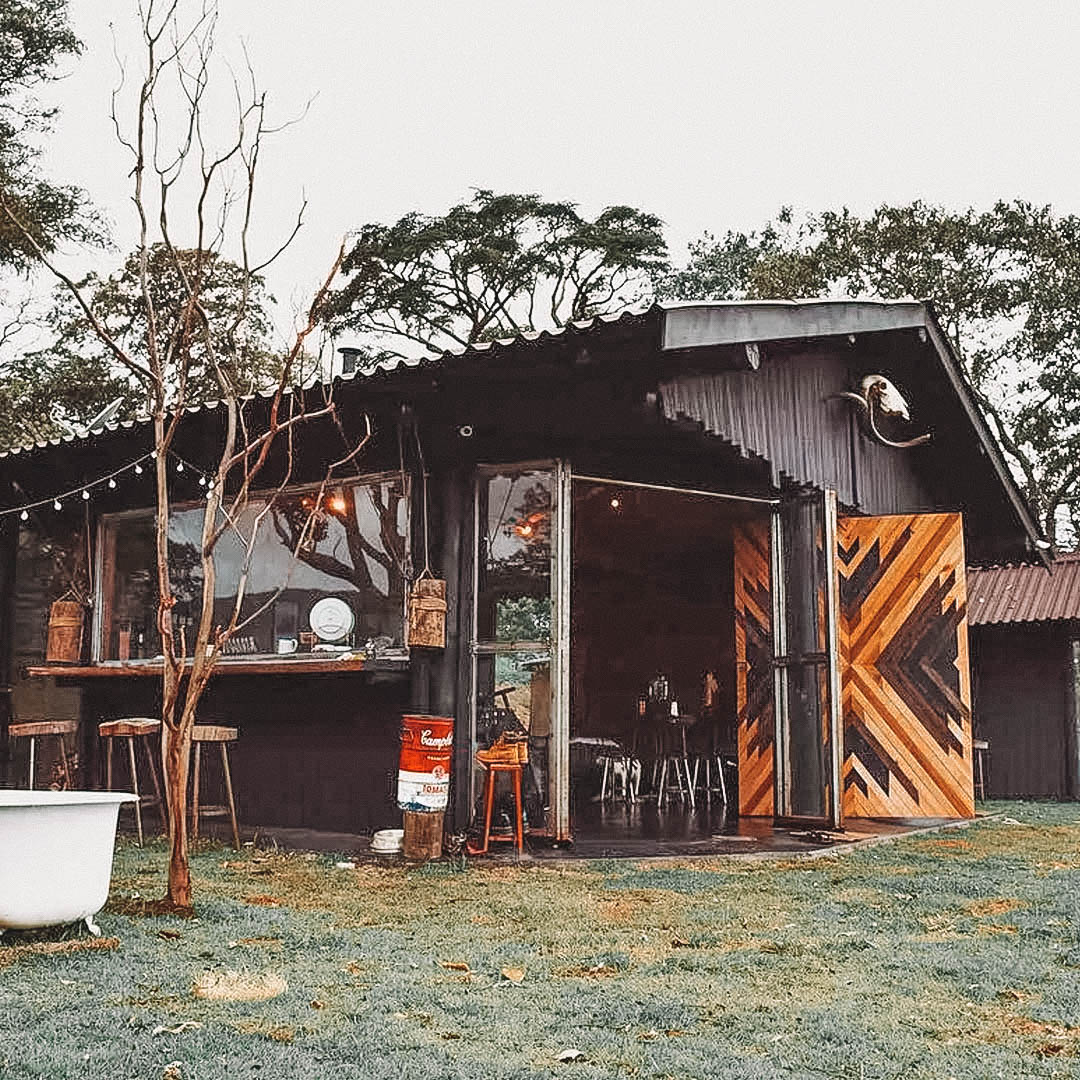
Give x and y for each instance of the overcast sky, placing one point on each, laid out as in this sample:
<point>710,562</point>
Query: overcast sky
<point>711,115</point>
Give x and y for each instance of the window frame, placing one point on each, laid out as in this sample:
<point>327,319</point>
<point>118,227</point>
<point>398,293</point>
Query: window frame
<point>104,568</point>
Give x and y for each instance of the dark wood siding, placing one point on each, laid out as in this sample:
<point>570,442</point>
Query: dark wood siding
<point>1019,675</point>
<point>786,412</point>
<point>315,752</point>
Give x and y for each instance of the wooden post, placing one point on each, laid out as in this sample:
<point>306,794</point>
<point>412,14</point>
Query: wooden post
<point>9,544</point>
<point>423,834</point>
<point>452,675</point>
<point>1072,720</point>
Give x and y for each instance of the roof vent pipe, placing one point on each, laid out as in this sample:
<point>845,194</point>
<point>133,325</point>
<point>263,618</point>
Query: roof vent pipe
<point>350,356</point>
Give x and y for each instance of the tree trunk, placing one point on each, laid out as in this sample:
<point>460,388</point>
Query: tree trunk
<point>176,754</point>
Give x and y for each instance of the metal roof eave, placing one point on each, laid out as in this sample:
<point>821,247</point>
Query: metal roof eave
<point>697,324</point>
<point>951,366</point>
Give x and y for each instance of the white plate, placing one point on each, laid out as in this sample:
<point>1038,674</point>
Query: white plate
<point>331,618</point>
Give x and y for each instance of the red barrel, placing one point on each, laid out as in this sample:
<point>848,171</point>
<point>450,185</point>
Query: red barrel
<point>427,744</point>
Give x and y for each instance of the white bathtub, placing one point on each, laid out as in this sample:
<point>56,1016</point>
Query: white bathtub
<point>56,851</point>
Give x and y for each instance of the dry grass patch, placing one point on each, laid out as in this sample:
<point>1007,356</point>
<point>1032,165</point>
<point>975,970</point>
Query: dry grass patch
<point>982,909</point>
<point>239,985</point>
<point>282,1033</point>
<point>11,953</point>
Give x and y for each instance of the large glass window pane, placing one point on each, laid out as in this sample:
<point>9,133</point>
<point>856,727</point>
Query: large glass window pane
<point>806,747</point>
<point>351,548</point>
<point>514,590</point>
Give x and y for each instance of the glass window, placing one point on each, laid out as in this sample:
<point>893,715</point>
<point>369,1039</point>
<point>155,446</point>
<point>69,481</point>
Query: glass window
<point>346,567</point>
<point>514,597</point>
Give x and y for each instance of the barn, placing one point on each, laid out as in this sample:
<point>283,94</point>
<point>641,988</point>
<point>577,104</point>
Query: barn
<point>700,542</point>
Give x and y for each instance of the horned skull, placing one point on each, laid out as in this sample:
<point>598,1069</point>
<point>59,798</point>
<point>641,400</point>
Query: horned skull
<point>880,397</point>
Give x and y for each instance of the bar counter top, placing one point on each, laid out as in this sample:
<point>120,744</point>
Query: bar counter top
<point>232,665</point>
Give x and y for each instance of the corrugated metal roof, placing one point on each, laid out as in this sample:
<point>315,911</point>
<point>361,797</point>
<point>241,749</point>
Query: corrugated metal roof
<point>1024,594</point>
<point>384,368</point>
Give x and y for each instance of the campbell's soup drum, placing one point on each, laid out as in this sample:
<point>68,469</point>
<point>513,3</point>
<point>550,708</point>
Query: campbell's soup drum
<point>427,743</point>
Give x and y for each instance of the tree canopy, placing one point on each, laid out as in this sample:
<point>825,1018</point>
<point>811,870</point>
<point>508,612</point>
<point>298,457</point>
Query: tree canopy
<point>1006,285</point>
<point>494,266</point>
<point>76,374</point>
<point>34,39</point>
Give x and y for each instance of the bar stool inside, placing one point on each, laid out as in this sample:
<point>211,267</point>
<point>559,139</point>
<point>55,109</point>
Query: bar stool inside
<point>45,729</point>
<point>142,728</point>
<point>213,733</point>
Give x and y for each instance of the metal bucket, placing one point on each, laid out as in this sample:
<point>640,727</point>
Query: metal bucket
<point>427,745</point>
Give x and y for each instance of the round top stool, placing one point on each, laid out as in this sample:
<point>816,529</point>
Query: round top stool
<point>39,729</point>
<point>132,728</point>
<point>222,735</point>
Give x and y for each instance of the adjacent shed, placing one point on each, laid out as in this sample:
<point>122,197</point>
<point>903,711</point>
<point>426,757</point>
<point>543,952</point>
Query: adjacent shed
<point>1025,638</point>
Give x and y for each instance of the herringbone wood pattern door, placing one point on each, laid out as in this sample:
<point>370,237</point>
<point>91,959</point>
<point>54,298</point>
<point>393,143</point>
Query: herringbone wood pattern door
<point>904,662</point>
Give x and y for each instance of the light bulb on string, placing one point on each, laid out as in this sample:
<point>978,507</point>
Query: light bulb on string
<point>179,466</point>
<point>112,483</point>
<point>202,481</point>
<point>138,470</point>
<point>25,515</point>
<point>56,504</point>
<point>86,495</point>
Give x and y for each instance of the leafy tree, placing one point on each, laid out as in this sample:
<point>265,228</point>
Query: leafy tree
<point>83,370</point>
<point>494,266</point>
<point>34,38</point>
<point>1005,283</point>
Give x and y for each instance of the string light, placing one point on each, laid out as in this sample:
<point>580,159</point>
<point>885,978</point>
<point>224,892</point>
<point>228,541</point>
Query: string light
<point>84,490</point>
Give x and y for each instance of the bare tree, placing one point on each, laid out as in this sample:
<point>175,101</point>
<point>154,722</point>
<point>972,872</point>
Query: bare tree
<point>180,181</point>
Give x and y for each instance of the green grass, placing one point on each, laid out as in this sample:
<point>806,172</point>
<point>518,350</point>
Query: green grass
<point>952,954</point>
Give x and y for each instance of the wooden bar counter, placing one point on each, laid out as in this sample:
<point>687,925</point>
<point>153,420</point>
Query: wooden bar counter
<point>267,665</point>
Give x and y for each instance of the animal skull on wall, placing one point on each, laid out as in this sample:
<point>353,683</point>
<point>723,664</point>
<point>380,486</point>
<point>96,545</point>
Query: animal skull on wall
<point>879,397</point>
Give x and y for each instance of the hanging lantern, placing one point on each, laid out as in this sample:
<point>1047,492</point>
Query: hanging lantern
<point>427,613</point>
<point>64,645</point>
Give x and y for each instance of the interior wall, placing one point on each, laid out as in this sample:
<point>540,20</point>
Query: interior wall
<point>652,592</point>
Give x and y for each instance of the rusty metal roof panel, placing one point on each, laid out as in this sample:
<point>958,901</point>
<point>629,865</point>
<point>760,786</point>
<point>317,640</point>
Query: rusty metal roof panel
<point>1024,594</point>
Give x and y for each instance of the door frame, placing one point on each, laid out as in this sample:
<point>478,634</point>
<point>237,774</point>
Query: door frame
<point>770,503</point>
<point>832,718</point>
<point>557,646</point>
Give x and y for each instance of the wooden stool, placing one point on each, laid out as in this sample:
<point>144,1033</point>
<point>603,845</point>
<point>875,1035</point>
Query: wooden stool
<point>514,772</point>
<point>132,728</point>
<point>980,749</point>
<point>213,733</point>
<point>40,729</point>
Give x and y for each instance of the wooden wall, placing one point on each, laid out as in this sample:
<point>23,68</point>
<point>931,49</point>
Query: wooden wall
<point>315,752</point>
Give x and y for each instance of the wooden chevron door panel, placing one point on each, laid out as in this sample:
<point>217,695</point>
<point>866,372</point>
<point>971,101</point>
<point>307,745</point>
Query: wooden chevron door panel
<point>754,668</point>
<point>904,667</point>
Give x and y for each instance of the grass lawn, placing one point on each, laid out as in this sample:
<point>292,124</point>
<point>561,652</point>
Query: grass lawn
<point>951,954</point>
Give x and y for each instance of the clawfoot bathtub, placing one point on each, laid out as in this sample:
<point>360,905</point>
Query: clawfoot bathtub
<point>56,851</point>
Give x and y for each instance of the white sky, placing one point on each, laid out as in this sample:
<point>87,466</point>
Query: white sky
<point>711,115</point>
